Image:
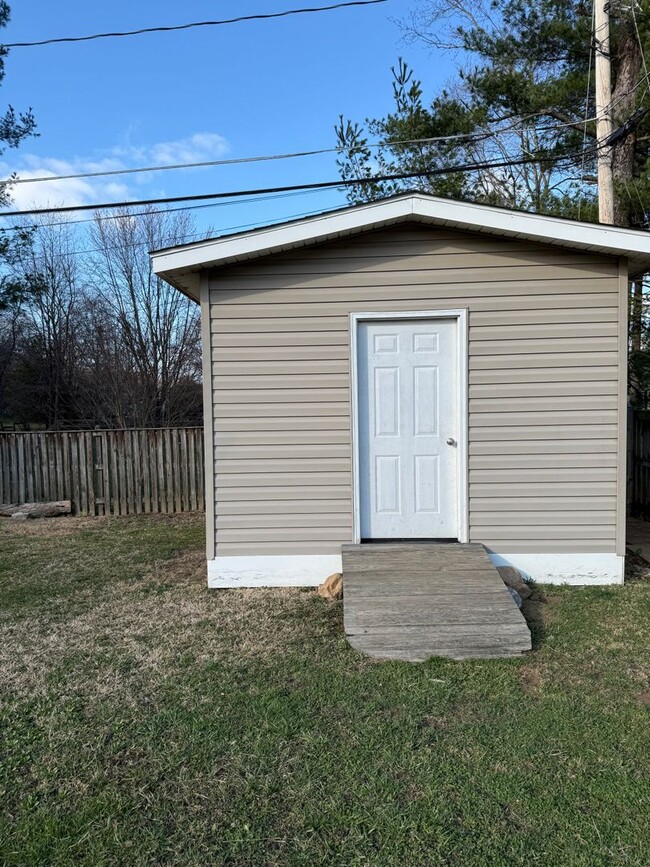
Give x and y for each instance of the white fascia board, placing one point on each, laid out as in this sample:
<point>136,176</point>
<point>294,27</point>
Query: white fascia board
<point>177,263</point>
<point>275,238</point>
<point>587,236</point>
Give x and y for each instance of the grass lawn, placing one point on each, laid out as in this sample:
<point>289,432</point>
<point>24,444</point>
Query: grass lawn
<point>147,720</point>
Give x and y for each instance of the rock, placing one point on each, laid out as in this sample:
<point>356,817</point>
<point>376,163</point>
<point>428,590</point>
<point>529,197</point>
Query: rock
<point>19,516</point>
<point>36,510</point>
<point>515,596</point>
<point>512,578</point>
<point>332,587</point>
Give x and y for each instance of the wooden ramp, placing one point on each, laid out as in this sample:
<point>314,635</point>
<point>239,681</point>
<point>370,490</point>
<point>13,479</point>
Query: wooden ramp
<point>415,600</point>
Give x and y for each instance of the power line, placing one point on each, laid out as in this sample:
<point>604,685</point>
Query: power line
<point>169,29</point>
<point>96,218</point>
<point>467,137</point>
<point>467,167</point>
<point>198,235</point>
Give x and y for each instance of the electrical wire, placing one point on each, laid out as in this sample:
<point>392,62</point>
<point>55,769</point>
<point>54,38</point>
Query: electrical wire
<point>467,167</point>
<point>638,37</point>
<point>467,137</point>
<point>97,218</point>
<point>199,236</point>
<point>260,17</point>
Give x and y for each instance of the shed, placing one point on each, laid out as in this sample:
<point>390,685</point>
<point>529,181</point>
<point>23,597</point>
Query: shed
<point>414,369</point>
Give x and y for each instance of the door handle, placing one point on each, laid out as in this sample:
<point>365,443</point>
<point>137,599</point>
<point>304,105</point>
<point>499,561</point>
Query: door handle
<point>451,441</point>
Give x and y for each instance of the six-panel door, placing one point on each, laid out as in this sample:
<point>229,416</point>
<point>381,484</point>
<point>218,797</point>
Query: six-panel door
<point>407,405</point>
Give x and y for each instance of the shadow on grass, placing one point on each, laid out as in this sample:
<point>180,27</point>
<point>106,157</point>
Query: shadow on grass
<point>533,611</point>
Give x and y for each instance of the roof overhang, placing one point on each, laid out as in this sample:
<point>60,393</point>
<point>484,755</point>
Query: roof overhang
<point>182,266</point>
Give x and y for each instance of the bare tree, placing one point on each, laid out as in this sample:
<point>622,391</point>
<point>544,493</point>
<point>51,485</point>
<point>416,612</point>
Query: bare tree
<point>47,362</point>
<point>145,334</point>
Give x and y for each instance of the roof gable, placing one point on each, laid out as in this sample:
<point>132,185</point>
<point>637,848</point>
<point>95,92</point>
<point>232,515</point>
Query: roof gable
<point>181,266</point>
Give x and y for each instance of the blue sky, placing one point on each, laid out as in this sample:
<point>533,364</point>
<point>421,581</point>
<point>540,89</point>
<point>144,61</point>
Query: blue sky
<point>222,92</point>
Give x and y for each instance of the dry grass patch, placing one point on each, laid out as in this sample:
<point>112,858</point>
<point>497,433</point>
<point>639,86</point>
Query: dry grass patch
<point>129,632</point>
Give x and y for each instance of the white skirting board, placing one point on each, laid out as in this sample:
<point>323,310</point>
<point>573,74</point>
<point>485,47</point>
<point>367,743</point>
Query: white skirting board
<point>575,569</point>
<point>300,570</point>
<point>284,570</point>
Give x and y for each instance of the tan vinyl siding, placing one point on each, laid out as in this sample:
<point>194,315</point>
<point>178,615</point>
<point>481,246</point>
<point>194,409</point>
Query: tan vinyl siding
<point>544,387</point>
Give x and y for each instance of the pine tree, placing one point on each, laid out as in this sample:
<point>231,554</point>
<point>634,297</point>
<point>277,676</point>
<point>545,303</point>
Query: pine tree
<point>524,96</point>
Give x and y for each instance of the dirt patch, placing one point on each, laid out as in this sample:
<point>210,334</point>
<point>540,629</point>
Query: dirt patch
<point>644,699</point>
<point>531,680</point>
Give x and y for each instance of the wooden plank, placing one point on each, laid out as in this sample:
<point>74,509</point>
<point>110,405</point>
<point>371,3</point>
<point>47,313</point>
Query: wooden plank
<point>169,470</point>
<point>128,462</point>
<point>136,493</point>
<point>113,471</point>
<point>61,466</point>
<point>5,496</point>
<point>90,471</point>
<point>152,460</point>
<point>145,461</point>
<point>200,474</point>
<point>434,610</point>
<point>191,459</point>
<point>412,601</point>
<point>75,475</point>
<point>67,474</point>
<point>121,459</point>
<point>419,643</point>
<point>44,470</point>
<point>84,508</point>
<point>21,470</point>
<point>184,471</point>
<point>107,492</point>
<point>420,583</point>
<point>162,480</point>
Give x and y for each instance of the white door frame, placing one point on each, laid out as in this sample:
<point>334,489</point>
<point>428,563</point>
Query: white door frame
<point>460,315</point>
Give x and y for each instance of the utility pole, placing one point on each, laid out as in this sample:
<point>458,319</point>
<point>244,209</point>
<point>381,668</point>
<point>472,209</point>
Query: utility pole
<point>604,124</point>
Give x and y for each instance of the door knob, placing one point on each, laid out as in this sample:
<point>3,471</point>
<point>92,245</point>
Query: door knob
<point>451,441</point>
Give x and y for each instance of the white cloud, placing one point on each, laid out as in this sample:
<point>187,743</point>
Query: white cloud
<point>71,191</point>
<point>199,147</point>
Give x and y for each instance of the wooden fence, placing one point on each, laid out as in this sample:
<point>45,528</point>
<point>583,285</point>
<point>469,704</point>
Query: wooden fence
<point>105,472</point>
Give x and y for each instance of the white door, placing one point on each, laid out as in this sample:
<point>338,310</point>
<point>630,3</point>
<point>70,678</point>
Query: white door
<point>408,428</point>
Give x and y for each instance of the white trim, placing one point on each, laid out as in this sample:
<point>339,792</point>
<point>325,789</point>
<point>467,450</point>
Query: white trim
<point>561,568</point>
<point>460,314</point>
<point>273,570</point>
<point>310,570</point>
<point>180,265</point>
<point>208,418</point>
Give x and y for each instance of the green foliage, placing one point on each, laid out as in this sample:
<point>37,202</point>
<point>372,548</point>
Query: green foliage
<point>14,128</point>
<point>523,74</point>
